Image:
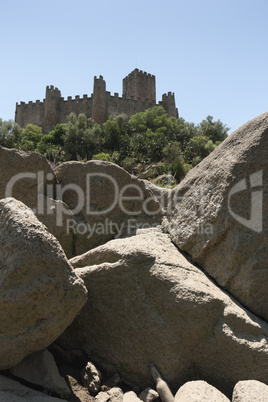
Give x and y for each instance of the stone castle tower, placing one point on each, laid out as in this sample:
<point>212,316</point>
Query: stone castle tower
<point>139,85</point>
<point>52,107</point>
<point>138,94</point>
<point>100,101</point>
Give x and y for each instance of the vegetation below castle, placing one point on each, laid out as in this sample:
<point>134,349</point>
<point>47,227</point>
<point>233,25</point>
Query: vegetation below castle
<point>149,138</point>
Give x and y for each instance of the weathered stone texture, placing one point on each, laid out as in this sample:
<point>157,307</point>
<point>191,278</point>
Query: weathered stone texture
<point>14,391</point>
<point>28,177</point>
<point>250,391</point>
<point>104,187</point>
<point>40,292</point>
<point>40,369</point>
<point>199,391</point>
<point>148,304</point>
<point>139,84</point>
<point>220,215</point>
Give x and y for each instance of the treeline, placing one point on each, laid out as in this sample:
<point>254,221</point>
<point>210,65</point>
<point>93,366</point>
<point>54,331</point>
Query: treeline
<point>147,138</point>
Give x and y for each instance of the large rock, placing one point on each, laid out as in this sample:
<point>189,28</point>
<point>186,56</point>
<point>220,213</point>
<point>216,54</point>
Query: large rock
<point>199,391</point>
<point>148,304</point>
<point>162,194</point>
<point>40,369</point>
<point>28,177</point>
<point>250,391</point>
<point>220,214</point>
<point>107,202</point>
<point>40,294</point>
<point>56,216</point>
<point>13,391</point>
<point>24,176</point>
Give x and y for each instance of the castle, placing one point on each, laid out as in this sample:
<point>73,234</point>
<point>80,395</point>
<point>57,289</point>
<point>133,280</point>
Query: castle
<point>138,95</point>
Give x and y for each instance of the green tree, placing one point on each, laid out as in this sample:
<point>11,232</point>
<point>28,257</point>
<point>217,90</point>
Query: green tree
<point>5,130</point>
<point>94,140</point>
<point>174,161</point>
<point>10,134</point>
<point>198,148</point>
<point>112,135</point>
<point>138,148</point>
<point>216,131</point>
<point>156,140</point>
<point>103,157</point>
<point>149,137</point>
<point>152,130</point>
<point>116,137</point>
<point>78,139</point>
<point>153,118</point>
<point>53,141</point>
<point>30,137</point>
<point>128,164</point>
<point>57,134</point>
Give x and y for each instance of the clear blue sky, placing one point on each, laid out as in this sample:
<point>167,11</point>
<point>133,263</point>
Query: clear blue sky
<point>211,53</point>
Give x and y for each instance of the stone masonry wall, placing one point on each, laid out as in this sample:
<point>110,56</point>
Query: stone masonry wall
<point>139,84</point>
<point>138,95</point>
<point>32,112</point>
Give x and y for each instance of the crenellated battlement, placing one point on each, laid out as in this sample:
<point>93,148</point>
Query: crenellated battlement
<point>100,78</point>
<point>132,98</point>
<point>31,103</point>
<point>76,98</point>
<point>52,91</point>
<point>138,95</point>
<point>168,94</point>
<point>169,104</point>
<point>140,72</point>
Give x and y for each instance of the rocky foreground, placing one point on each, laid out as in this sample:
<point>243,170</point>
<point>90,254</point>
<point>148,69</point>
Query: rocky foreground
<point>113,289</point>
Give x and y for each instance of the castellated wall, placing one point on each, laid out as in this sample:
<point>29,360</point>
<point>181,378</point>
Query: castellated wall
<point>126,106</point>
<point>138,95</point>
<point>168,103</point>
<point>75,105</point>
<point>32,112</point>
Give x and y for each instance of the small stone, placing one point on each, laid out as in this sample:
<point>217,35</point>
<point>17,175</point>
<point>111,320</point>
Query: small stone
<point>199,391</point>
<point>148,395</point>
<point>116,394</point>
<point>91,377</point>
<point>250,391</point>
<point>131,396</point>
<point>102,396</point>
<point>113,395</point>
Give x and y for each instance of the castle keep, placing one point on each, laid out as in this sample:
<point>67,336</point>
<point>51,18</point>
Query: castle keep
<point>138,95</point>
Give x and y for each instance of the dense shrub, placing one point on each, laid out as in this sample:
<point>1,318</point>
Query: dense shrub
<point>147,138</point>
